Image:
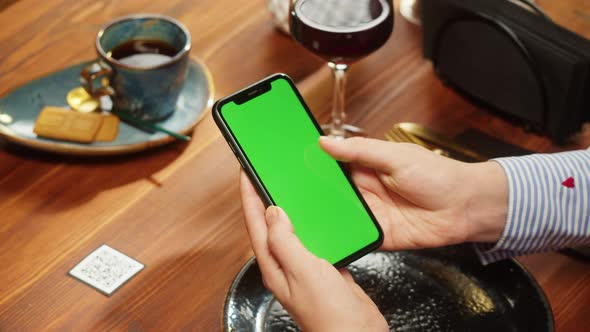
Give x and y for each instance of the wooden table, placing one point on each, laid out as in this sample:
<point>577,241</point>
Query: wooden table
<point>176,208</point>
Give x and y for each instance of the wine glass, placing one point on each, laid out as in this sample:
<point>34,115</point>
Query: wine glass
<point>341,32</point>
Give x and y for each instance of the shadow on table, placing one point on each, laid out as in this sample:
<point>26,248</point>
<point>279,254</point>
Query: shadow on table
<point>59,182</point>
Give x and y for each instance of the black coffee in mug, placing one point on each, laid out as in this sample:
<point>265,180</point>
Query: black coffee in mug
<point>143,63</point>
<point>143,53</point>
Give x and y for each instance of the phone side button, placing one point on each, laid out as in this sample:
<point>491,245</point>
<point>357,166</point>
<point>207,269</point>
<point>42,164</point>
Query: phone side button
<point>241,163</point>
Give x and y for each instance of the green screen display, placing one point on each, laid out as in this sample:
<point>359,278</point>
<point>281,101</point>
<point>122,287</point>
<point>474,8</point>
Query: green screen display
<point>280,141</point>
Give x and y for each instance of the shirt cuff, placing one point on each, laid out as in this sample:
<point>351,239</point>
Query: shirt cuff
<point>544,211</point>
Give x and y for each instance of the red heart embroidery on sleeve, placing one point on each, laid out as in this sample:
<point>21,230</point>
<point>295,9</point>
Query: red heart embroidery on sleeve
<point>569,182</point>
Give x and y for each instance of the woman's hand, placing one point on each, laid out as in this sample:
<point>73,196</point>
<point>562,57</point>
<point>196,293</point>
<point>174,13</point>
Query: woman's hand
<point>422,199</point>
<point>318,297</point>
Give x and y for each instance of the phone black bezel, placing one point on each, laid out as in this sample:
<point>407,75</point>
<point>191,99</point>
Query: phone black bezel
<point>252,91</point>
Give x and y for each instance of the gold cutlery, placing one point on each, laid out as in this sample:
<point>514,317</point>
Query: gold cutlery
<point>440,144</point>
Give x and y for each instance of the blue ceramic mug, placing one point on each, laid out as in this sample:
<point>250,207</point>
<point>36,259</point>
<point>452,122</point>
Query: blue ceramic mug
<point>142,65</point>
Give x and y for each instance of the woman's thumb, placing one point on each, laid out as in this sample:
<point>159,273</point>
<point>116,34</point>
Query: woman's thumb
<point>368,152</point>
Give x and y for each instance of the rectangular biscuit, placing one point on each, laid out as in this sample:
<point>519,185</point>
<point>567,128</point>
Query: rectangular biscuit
<point>63,124</point>
<point>109,130</point>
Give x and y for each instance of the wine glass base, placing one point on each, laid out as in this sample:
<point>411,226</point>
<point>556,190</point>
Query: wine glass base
<point>347,131</point>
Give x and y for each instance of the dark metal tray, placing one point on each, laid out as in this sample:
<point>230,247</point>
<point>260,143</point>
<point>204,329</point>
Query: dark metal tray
<point>443,289</point>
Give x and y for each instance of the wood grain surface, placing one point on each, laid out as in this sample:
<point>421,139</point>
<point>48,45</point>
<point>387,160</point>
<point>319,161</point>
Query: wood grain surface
<point>176,208</point>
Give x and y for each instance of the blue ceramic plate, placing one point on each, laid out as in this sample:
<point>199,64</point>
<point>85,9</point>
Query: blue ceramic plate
<point>20,108</point>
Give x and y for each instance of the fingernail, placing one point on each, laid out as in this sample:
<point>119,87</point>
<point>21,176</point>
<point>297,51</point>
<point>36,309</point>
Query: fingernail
<point>272,215</point>
<point>328,139</point>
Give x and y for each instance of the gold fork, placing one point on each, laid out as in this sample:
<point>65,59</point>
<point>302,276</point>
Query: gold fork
<point>439,144</point>
<point>395,134</point>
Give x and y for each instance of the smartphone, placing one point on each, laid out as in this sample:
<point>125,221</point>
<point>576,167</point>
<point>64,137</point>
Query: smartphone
<point>276,140</point>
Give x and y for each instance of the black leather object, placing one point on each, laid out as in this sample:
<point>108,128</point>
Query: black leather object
<point>512,61</point>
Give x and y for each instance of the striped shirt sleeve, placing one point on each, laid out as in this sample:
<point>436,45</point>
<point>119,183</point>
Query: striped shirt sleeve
<point>548,205</point>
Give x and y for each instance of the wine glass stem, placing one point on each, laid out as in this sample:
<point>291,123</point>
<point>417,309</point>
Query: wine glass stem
<point>338,114</point>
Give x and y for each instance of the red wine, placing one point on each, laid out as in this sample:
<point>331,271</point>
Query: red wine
<point>342,31</point>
